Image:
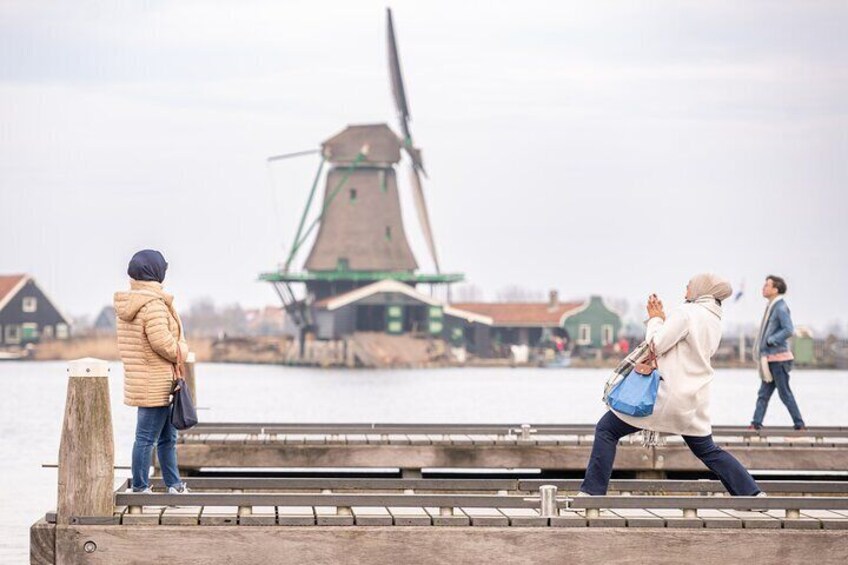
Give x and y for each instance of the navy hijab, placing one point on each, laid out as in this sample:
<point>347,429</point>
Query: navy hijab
<point>147,265</point>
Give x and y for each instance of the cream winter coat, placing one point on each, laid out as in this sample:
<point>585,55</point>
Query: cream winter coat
<point>684,342</point>
<point>149,333</point>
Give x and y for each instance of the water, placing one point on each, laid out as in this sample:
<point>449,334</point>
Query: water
<point>32,404</point>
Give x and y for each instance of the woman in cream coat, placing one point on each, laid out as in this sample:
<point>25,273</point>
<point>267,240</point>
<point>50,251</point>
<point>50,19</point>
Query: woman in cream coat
<point>684,342</point>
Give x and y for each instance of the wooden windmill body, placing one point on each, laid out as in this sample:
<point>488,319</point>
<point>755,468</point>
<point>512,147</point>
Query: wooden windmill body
<point>360,236</point>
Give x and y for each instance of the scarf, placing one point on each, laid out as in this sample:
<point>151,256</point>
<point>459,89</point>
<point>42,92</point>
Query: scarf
<point>762,364</point>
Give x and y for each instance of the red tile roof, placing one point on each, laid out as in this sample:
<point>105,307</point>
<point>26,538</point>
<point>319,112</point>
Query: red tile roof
<point>528,314</point>
<point>8,283</point>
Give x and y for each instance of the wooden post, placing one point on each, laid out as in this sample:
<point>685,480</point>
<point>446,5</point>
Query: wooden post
<point>189,376</point>
<point>87,449</point>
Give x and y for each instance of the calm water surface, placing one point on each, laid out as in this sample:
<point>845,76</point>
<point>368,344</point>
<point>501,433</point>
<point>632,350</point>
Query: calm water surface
<point>34,395</point>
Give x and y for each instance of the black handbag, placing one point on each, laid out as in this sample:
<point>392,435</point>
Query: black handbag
<point>183,412</point>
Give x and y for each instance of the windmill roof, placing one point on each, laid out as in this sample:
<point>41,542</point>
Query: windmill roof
<point>383,145</point>
<point>338,301</point>
<point>526,314</point>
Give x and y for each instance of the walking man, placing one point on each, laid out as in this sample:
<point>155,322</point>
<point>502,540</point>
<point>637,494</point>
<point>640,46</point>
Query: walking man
<point>774,358</point>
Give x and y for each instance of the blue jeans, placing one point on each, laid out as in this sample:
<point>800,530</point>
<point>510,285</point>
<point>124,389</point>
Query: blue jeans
<point>780,374</point>
<point>153,427</point>
<point>735,478</point>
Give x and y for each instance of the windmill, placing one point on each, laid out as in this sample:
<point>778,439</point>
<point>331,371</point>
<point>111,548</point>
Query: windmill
<point>360,235</point>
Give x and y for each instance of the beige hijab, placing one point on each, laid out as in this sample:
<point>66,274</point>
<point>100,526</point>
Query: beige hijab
<point>709,284</point>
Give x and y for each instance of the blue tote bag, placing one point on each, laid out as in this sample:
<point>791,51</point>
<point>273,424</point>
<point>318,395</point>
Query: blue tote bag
<point>636,395</point>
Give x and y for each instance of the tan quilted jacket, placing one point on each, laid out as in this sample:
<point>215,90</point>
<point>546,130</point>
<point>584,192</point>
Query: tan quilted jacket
<point>149,333</point>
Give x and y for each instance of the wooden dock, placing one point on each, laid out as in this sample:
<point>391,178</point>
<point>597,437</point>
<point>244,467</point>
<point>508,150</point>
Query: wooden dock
<point>413,447</point>
<point>416,520</point>
<point>299,520</point>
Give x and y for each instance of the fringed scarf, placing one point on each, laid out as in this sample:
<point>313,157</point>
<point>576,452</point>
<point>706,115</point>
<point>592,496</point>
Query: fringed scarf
<point>649,438</point>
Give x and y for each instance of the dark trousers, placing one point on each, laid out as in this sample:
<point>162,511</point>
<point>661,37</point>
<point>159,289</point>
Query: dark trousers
<point>780,374</point>
<point>735,478</point>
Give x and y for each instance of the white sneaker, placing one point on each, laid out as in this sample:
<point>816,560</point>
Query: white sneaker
<point>148,490</point>
<point>179,489</point>
<point>760,495</point>
<point>581,493</point>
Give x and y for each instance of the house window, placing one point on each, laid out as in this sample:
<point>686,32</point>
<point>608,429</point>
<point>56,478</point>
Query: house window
<point>30,304</point>
<point>47,332</point>
<point>29,332</point>
<point>584,334</point>
<point>606,334</point>
<point>61,331</point>
<point>388,232</point>
<point>353,195</point>
<point>13,334</point>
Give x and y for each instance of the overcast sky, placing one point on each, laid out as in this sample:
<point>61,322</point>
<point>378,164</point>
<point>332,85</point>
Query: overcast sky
<point>598,148</point>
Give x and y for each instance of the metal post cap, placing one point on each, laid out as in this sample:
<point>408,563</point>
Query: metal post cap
<point>88,367</point>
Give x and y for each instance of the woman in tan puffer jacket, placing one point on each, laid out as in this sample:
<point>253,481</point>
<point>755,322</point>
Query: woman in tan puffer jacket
<point>151,342</point>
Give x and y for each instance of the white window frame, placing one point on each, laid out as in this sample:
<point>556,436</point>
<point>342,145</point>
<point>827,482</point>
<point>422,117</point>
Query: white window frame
<point>17,333</point>
<point>47,332</point>
<point>62,331</point>
<point>29,304</point>
<point>607,334</point>
<point>584,329</point>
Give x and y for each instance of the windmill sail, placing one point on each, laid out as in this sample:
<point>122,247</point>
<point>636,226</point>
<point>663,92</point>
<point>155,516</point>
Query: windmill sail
<point>417,166</point>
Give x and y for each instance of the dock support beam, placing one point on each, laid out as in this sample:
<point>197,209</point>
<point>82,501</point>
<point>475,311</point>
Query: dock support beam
<point>87,448</point>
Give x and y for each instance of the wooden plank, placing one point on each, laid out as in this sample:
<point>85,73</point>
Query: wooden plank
<point>258,516</point>
<point>356,439</point>
<point>371,516</point>
<point>219,516</point>
<point>181,516</point>
<point>754,520</point>
<point>295,516</point>
<point>439,439</point>
<point>329,516</point>
<point>801,523</point>
<point>718,519</point>
<point>409,516</point>
<point>461,439</point>
<point>674,518</point>
<point>569,519</point>
<point>398,439</point>
<point>293,439</point>
<point>456,518</point>
<point>639,518</point>
<point>149,517</point>
<point>314,439</point>
<point>482,439</point>
<point>524,517</point>
<point>829,520</point>
<point>487,517</point>
<point>419,439</point>
<point>42,543</point>
<point>606,519</point>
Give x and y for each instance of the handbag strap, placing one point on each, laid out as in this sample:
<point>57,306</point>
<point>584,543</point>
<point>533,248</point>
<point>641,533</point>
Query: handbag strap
<point>652,356</point>
<point>178,366</point>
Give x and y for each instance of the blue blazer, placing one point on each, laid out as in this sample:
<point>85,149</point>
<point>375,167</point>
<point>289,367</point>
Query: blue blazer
<point>779,329</point>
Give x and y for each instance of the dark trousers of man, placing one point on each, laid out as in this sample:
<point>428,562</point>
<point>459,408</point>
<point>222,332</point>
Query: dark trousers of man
<point>780,375</point>
<point>735,478</point>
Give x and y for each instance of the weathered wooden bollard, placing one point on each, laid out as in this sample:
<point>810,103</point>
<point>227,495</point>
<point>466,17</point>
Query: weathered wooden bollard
<point>547,497</point>
<point>87,448</point>
<point>189,376</point>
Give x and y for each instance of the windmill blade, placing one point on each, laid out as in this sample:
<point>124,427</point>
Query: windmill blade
<point>398,91</point>
<point>423,216</point>
<point>291,155</point>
